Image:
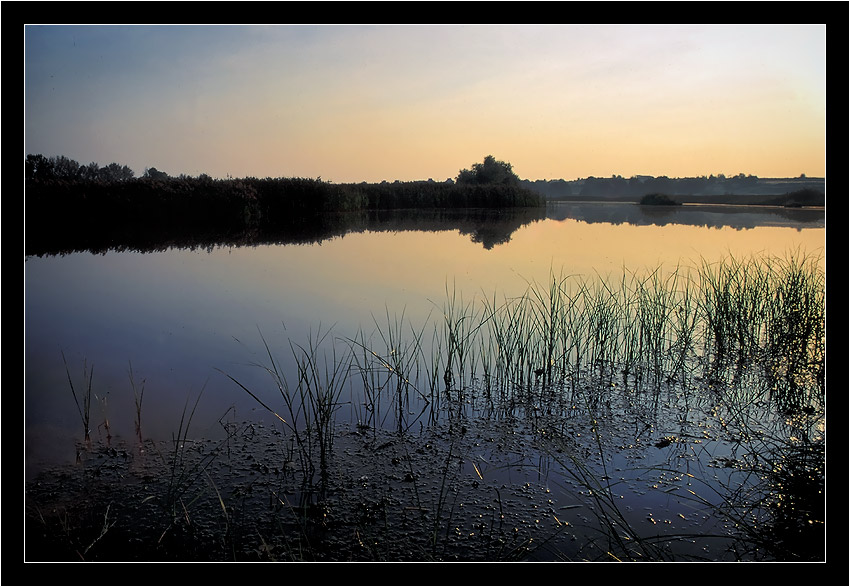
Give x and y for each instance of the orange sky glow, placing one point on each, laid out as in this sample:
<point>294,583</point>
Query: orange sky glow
<point>353,103</point>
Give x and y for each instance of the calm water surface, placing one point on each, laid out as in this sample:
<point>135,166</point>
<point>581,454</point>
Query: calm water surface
<point>180,317</point>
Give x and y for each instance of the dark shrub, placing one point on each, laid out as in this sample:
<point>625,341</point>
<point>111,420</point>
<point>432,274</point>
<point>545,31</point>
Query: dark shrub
<point>658,200</point>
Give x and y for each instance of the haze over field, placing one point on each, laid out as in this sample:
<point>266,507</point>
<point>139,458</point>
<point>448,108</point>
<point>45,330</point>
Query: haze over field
<point>351,103</point>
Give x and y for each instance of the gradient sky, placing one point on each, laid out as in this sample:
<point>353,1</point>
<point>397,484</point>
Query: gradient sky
<point>352,103</point>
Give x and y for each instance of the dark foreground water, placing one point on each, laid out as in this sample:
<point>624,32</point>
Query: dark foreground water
<point>600,466</point>
<point>634,477</point>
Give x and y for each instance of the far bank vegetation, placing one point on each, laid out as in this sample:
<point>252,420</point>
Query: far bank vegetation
<point>63,197</point>
<point>658,200</point>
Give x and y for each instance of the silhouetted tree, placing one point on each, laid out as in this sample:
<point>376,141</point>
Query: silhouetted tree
<point>90,172</point>
<point>41,168</point>
<point>154,173</point>
<point>490,171</point>
<point>38,167</point>
<point>65,168</point>
<point>658,200</point>
<point>115,173</point>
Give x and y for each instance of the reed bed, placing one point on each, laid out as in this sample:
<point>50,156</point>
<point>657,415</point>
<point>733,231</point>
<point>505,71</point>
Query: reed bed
<point>643,331</point>
<point>749,332</point>
<point>311,400</point>
<point>559,360</point>
<point>387,362</point>
<point>83,408</point>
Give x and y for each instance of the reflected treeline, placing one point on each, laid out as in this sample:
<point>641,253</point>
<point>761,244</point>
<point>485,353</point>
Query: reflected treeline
<point>153,212</point>
<point>711,216</point>
<point>489,227</point>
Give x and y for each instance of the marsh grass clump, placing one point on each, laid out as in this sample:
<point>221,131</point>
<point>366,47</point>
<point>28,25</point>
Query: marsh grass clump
<point>138,398</point>
<point>461,324</point>
<point>774,493</point>
<point>320,386</point>
<point>653,327</point>
<point>186,467</point>
<point>735,294</point>
<point>796,331</point>
<point>769,312</point>
<point>83,408</point>
<point>796,503</point>
<point>746,335</point>
<point>311,400</point>
<point>391,364</point>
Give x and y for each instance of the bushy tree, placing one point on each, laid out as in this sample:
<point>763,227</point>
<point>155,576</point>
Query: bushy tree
<point>490,171</point>
<point>38,167</point>
<point>90,172</point>
<point>658,200</point>
<point>115,173</point>
<point>65,168</point>
<point>154,173</point>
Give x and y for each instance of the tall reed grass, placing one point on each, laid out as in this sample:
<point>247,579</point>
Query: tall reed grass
<point>644,329</point>
<point>311,396</point>
<point>391,364</point>
<point>752,330</point>
<point>138,398</point>
<point>83,408</point>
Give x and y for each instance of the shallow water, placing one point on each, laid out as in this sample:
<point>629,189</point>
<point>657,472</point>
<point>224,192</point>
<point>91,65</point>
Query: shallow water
<point>184,320</point>
<point>178,315</point>
<point>525,486</point>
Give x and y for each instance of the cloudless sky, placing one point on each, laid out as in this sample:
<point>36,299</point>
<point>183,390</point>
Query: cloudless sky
<point>351,103</point>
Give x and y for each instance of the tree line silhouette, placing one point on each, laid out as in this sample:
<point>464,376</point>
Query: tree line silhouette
<point>636,187</point>
<point>73,206</point>
<point>66,202</point>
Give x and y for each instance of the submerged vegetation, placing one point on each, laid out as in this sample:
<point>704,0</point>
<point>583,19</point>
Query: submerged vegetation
<point>718,370</point>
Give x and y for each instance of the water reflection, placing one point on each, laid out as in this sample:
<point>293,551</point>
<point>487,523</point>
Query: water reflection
<point>487,227</point>
<point>706,215</point>
<point>405,292</point>
<point>178,311</point>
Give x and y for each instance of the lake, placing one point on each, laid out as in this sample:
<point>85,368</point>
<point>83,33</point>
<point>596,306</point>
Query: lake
<point>185,324</point>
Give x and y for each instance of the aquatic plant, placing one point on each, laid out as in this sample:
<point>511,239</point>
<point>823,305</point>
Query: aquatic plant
<point>774,493</point>
<point>320,387</point>
<point>84,409</point>
<point>138,398</point>
<point>312,401</point>
<point>395,365</point>
<point>183,473</point>
<point>104,409</point>
<point>795,346</point>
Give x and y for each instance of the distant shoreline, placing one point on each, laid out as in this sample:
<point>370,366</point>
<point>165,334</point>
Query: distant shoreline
<point>777,206</point>
<point>761,201</point>
<point>702,204</point>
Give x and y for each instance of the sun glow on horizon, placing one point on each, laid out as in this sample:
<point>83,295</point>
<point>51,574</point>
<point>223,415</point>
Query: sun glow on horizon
<point>413,102</point>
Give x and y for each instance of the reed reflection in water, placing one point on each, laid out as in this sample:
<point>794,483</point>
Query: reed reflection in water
<point>179,314</point>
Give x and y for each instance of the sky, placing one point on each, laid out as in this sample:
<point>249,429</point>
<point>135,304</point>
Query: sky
<point>352,103</point>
